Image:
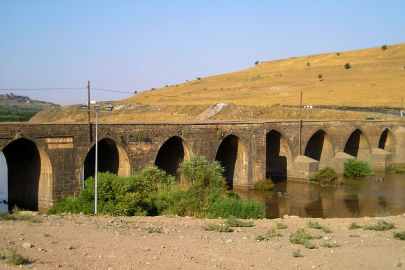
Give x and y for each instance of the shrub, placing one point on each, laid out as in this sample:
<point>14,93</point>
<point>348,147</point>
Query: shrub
<point>347,66</point>
<point>384,47</point>
<point>399,235</point>
<point>302,237</point>
<point>308,64</point>
<point>328,245</point>
<point>265,184</point>
<point>338,54</point>
<point>326,175</point>
<point>320,76</point>
<point>16,259</point>
<point>260,238</point>
<point>357,167</point>
<point>256,63</point>
<point>216,227</point>
<point>354,226</point>
<point>297,254</point>
<point>273,233</point>
<point>281,226</point>
<point>380,226</point>
<point>234,222</point>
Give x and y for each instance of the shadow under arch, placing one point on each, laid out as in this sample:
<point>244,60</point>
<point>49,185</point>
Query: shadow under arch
<point>232,155</point>
<point>111,158</point>
<point>386,141</point>
<point>171,154</point>
<point>319,147</point>
<point>30,176</point>
<point>357,145</point>
<point>278,156</point>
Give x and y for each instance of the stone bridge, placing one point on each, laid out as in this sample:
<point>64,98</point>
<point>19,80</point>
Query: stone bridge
<point>47,162</point>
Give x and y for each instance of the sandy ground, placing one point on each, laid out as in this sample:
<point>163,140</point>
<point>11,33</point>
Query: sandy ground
<point>102,242</point>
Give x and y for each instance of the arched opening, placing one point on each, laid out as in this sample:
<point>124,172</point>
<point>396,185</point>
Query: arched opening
<point>173,152</point>
<point>278,156</point>
<point>357,145</point>
<point>320,148</point>
<point>111,158</point>
<point>387,141</point>
<point>29,176</point>
<point>231,154</point>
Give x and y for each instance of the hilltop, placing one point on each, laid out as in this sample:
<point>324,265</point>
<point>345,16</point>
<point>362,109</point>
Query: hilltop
<point>374,82</point>
<point>20,108</point>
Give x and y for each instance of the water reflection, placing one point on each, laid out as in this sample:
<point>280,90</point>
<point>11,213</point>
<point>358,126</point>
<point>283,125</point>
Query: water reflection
<point>356,198</point>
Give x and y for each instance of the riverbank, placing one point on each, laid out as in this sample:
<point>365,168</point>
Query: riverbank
<point>103,242</point>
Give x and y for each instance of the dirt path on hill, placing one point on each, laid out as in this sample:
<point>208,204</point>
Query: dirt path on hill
<point>80,242</point>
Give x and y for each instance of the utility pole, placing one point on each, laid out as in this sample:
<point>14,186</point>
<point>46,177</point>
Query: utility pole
<point>300,125</point>
<point>402,103</point>
<point>88,107</point>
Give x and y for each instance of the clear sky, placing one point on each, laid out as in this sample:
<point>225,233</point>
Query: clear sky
<point>138,45</point>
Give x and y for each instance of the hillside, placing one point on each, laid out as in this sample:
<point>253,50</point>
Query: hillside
<point>376,78</point>
<point>20,108</point>
<point>375,81</point>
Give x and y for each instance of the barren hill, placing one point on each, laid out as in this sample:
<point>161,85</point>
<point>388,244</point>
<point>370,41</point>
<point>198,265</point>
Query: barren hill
<point>374,81</point>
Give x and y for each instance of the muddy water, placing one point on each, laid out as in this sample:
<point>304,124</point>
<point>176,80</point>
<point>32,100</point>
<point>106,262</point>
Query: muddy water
<point>358,197</point>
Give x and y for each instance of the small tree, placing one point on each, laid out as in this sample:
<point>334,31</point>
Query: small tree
<point>320,76</point>
<point>338,54</point>
<point>256,63</point>
<point>384,47</point>
<point>135,92</point>
<point>347,66</point>
<point>308,64</point>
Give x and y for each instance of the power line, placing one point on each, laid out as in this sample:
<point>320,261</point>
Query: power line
<point>40,89</point>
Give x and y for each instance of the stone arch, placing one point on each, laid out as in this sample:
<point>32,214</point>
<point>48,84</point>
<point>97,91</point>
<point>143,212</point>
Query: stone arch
<point>279,160</point>
<point>232,155</point>
<point>111,158</point>
<point>319,147</point>
<point>171,154</point>
<point>357,145</point>
<point>386,141</point>
<point>30,176</point>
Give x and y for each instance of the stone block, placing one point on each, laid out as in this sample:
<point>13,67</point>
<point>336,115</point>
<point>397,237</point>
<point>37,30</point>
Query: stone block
<point>305,167</point>
<point>381,158</point>
<point>340,158</point>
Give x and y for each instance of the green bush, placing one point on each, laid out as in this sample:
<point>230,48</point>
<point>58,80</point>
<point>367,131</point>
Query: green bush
<point>347,66</point>
<point>320,76</point>
<point>357,167</point>
<point>384,47</point>
<point>326,175</point>
<point>265,184</point>
<point>153,192</point>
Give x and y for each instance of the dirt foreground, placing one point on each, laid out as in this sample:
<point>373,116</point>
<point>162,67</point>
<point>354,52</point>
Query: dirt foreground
<point>103,242</point>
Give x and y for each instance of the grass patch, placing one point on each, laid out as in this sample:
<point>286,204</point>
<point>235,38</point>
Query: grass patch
<point>152,230</point>
<point>328,245</point>
<point>357,167</point>
<point>296,254</point>
<point>217,227</point>
<point>399,235</point>
<point>300,236</point>
<point>380,226</point>
<point>265,184</point>
<point>281,226</point>
<point>47,235</point>
<point>260,238</point>
<point>316,225</point>
<point>354,226</point>
<point>382,214</point>
<point>234,222</point>
<point>273,233</point>
<point>395,169</point>
<point>16,259</point>
<point>354,235</point>
<point>16,215</point>
<point>326,175</point>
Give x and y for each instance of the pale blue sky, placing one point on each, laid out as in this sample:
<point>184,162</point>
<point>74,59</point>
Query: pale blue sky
<point>137,45</point>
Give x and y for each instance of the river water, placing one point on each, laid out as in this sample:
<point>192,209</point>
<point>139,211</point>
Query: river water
<point>357,197</point>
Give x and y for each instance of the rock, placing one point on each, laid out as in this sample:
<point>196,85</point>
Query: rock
<point>326,238</point>
<point>27,245</point>
<point>69,247</point>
